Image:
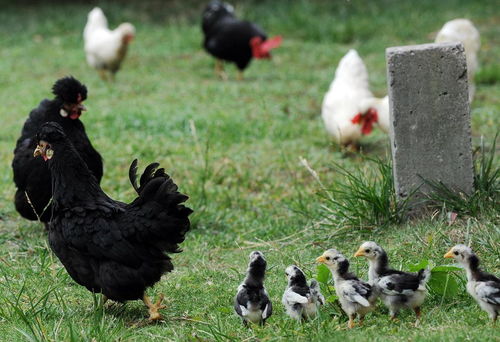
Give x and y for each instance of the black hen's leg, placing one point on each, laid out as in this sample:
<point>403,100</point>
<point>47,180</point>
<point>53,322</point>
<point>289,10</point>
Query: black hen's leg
<point>219,70</point>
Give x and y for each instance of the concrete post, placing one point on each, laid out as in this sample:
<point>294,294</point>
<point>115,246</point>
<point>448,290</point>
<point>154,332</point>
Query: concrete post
<point>429,118</point>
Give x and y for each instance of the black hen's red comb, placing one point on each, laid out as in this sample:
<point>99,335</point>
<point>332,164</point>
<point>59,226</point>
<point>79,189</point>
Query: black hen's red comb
<point>261,49</point>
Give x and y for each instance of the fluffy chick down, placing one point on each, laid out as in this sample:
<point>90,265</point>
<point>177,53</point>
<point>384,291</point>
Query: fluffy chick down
<point>252,302</point>
<point>355,296</point>
<point>301,300</point>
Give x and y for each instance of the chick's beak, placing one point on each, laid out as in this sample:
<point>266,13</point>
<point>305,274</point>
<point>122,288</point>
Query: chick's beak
<point>449,254</point>
<point>359,253</point>
<point>39,151</point>
<point>320,259</point>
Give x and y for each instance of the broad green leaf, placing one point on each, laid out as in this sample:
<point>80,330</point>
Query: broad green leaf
<point>443,284</point>
<point>446,268</point>
<point>323,274</point>
<point>331,299</point>
<point>417,267</point>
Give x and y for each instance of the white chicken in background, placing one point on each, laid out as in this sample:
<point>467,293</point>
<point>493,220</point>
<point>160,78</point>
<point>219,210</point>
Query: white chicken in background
<point>105,49</point>
<point>462,30</point>
<point>349,108</point>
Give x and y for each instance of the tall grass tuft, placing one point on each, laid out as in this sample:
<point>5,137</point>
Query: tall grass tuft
<point>363,198</point>
<point>486,195</point>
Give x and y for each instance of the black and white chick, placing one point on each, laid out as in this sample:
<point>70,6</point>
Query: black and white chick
<point>355,296</point>
<point>301,300</point>
<point>252,303</point>
<point>397,289</point>
<point>482,286</point>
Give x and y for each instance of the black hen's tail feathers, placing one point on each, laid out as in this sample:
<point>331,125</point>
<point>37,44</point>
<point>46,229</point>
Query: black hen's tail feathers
<point>157,186</point>
<point>132,175</point>
<point>149,173</point>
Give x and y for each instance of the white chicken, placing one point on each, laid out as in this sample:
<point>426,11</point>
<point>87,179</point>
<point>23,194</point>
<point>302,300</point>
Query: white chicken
<point>346,110</point>
<point>464,31</point>
<point>105,49</point>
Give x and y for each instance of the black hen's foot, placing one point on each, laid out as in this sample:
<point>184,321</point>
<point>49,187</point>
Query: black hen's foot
<point>154,315</point>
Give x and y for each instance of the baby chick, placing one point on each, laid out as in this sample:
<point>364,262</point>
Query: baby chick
<point>397,289</point>
<point>252,302</point>
<point>300,299</point>
<point>482,286</point>
<point>316,295</point>
<point>355,296</point>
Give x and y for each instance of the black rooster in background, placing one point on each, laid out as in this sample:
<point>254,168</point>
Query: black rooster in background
<point>111,247</point>
<point>230,39</point>
<point>31,176</point>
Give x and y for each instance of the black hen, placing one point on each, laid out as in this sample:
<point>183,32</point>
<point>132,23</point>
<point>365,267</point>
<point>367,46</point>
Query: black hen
<point>111,247</point>
<point>230,39</point>
<point>31,175</point>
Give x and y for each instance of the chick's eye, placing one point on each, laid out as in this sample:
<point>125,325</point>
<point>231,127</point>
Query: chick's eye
<point>327,258</point>
<point>367,250</point>
<point>336,258</point>
<point>456,253</point>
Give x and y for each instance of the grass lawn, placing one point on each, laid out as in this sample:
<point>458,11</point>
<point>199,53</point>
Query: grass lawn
<point>234,148</point>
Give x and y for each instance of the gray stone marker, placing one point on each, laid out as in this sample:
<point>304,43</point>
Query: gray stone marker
<point>430,119</point>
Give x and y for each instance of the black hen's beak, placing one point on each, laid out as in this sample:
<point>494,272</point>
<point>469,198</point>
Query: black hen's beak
<point>74,110</point>
<point>39,151</point>
<point>43,149</point>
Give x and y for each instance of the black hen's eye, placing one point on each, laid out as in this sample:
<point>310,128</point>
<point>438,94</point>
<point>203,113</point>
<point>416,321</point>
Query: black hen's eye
<point>367,250</point>
<point>456,253</point>
<point>327,258</point>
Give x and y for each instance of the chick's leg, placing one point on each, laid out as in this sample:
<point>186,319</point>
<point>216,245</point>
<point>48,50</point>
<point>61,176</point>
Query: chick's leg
<point>361,319</point>
<point>153,308</point>
<point>350,324</point>
<point>393,314</point>
<point>417,313</point>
